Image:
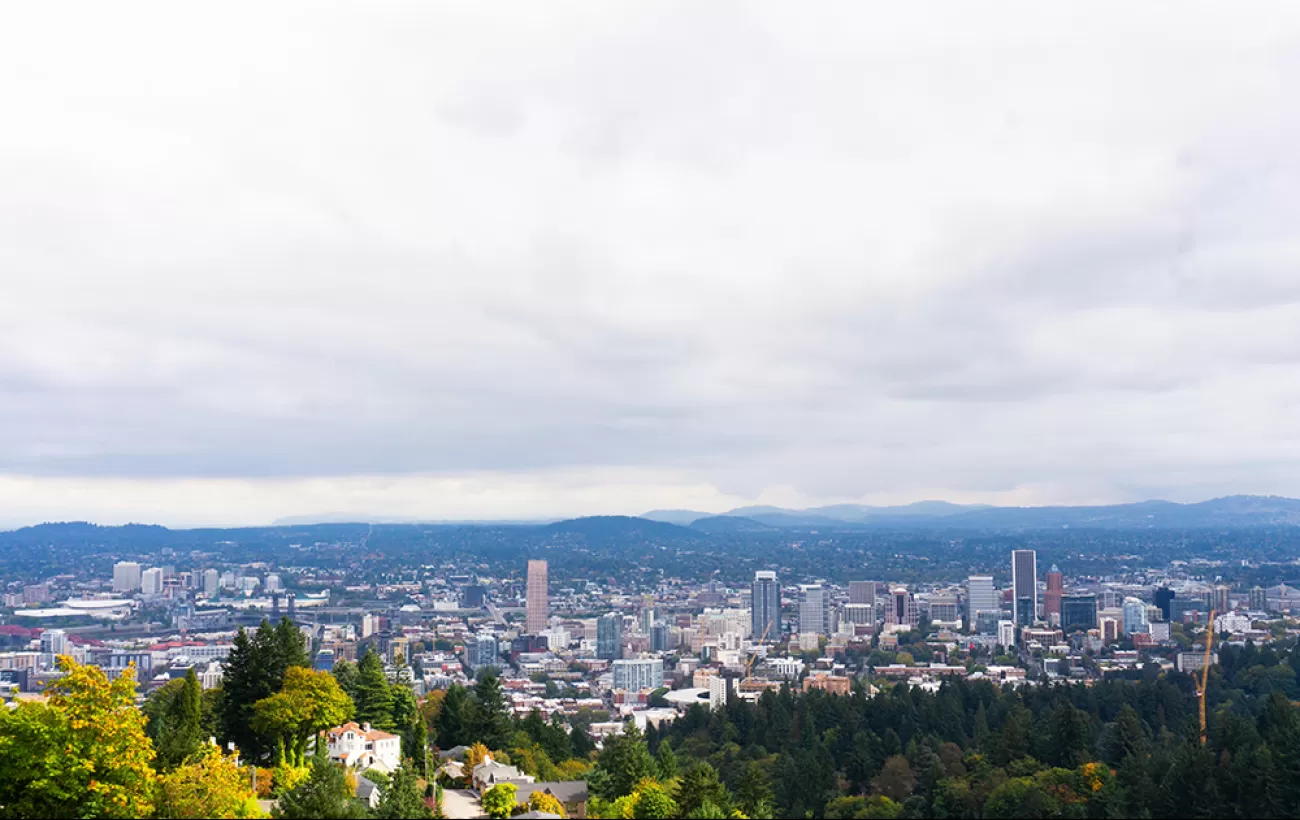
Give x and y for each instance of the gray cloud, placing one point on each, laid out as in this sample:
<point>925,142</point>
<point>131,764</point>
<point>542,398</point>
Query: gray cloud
<point>835,256</point>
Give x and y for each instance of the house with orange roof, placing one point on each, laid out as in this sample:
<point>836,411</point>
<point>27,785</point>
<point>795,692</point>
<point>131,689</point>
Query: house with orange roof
<point>363,747</point>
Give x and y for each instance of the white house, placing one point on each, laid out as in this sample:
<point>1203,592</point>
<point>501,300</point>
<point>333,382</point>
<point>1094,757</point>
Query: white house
<point>362,747</point>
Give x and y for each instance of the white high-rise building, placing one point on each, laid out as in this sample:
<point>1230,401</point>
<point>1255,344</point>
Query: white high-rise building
<point>1135,616</point>
<point>1007,633</point>
<point>211,582</point>
<point>981,596</point>
<point>54,642</point>
<point>536,613</point>
<point>151,581</point>
<point>273,583</point>
<point>635,674</point>
<point>126,576</point>
<point>814,613</point>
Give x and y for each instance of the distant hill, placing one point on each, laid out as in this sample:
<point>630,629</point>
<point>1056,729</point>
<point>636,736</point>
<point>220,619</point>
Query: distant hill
<point>1219,513</point>
<point>1231,511</point>
<point>852,513</point>
<point>718,524</point>
<point>680,517</point>
<point>602,528</point>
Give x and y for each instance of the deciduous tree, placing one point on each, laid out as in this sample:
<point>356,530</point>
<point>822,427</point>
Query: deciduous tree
<point>208,785</point>
<point>499,801</point>
<point>84,753</point>
<point>309,703</point>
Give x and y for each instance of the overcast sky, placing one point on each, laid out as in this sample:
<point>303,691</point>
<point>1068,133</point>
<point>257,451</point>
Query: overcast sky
<point>471,261</point>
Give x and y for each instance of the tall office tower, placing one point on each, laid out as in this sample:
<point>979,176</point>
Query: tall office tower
<point>151,581</point>
<point>862,592</point>
<point>1258,600</point>
<point>1219,598</point>
<point>1078,612</point>
<point>483,651</point>
<point>609,637</point>
<point>647,619</point>
<point>902,608</point>
<point>126,576</point>
<point>536,615</point>
<point>765,620</point>
<point>54,642</point>
<point>1052,596</point>
<point>1164,598</point>
<point>473,596</point>
<point>659,638</point>
<point>1024,586</point>
<point>980,597</point>
<point>1135,616</point>
<point>814,612</point>
<point>211,582</point>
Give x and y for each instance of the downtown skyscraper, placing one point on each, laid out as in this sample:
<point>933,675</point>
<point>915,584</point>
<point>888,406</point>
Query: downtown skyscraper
<point>814,610</point>
<point>536,616</point>
<point>609,636</point>
<point>1024,587</point>
<point>765,607</point>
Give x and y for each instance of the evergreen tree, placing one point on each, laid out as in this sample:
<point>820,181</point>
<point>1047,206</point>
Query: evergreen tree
<point>374,698</point>
<point>345,672</point>
<point>287,647</point>
<point>492,723</point>
<point>582,745</point>
<point>1125,737</point>
<point>700,787</point>
<point>401,798</point>
<point>245,680</point>
<point>181,735</point>
<point>666,762</point>
<point>409,723</point>
<point>625,761</point>
<point>324,794</point>
<point>452,720</point>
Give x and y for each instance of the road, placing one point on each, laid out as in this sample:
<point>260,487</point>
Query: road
<point>461,803</point>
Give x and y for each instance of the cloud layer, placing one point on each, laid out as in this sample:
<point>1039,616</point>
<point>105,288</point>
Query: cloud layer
<point>605,257</point>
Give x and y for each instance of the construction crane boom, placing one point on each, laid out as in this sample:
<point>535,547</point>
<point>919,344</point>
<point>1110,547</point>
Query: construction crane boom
<point>1205,672</point>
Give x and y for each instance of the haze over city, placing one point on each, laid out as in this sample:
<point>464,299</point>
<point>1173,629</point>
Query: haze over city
<point>448,263</point>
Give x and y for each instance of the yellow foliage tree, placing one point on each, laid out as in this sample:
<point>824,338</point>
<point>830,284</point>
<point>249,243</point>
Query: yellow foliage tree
<point>474,756</point>
<point>209,785</point>
<point>84,753</point>
<point>308,704</point>
<point>541,801</point>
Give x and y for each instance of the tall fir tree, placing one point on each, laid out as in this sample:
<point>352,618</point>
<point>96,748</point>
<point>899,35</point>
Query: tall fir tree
<point>245,681</point>
<point>345,672</point>
<point>492,724</point>
<point>288,647</point>
<point>453,718</point>
<point>374,696</point>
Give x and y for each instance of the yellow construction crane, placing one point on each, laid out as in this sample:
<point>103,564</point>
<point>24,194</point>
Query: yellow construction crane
<point>749,667</point>
<point>1205,672</point>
